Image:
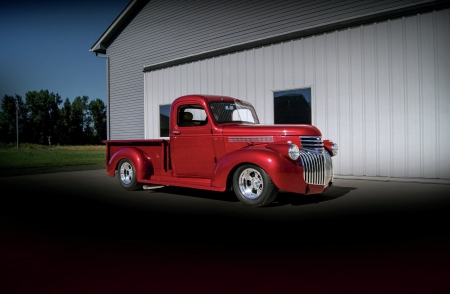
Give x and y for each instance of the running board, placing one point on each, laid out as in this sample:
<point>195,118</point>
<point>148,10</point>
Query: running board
<point>196,183</point>
<point>151,187</point>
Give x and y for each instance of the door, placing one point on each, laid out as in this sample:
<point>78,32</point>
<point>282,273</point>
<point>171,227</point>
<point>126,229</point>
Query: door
<point>192,149</point>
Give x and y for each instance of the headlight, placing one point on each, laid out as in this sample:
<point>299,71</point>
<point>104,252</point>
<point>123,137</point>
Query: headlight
<point>293,151</point>
<point>334,148</point>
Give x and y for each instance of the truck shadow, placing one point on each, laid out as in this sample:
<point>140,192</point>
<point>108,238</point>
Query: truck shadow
<point>286,198</point>
<point>227,196</point>
<point>283,198</point>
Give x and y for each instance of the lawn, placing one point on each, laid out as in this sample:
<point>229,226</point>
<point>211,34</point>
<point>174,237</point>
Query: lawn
<point>36,156</point>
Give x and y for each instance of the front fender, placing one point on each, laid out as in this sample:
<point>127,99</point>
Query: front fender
<point>141,162</point>
<point>331,147</point>
<point>285,173</point>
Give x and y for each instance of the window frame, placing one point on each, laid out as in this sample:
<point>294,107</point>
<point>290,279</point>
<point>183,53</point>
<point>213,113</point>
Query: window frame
<point>301,111</point>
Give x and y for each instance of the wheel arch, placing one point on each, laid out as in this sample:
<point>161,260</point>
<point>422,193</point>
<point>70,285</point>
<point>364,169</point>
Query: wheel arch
<point>229,180</point>
<point>140,160</point>
<point>267,159</point>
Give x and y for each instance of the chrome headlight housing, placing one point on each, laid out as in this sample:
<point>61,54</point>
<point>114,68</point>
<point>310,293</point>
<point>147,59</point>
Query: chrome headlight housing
<point>294,152</point>
<point>334,148</point>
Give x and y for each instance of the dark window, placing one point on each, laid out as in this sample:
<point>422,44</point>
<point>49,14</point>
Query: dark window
<point>292,107</point>
<point>191,116</point>
<point>164,111</point>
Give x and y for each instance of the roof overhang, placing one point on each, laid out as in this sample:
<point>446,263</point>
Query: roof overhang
<point>133,7</point>
<point>405,10</point>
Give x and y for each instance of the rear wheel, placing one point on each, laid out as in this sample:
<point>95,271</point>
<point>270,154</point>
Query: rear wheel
<point>127,175</point>
<point>253,186</point>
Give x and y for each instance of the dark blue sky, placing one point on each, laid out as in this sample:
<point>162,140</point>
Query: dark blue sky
<point>44,45</point>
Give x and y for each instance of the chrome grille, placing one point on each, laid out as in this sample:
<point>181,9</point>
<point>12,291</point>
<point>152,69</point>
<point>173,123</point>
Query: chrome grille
<point>317,167</point>
<point>312,143</point>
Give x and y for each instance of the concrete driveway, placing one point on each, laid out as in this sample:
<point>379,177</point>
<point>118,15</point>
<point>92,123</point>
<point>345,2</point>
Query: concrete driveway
<point>80,232</point>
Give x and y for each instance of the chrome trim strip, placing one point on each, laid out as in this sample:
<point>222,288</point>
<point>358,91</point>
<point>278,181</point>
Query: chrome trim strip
<point>251,139</point>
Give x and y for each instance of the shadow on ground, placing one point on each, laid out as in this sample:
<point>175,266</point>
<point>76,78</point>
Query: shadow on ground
<point>283,198</point>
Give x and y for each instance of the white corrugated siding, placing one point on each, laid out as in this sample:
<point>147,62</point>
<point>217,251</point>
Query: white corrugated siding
<point>381,91</point>
<point>165,30</point>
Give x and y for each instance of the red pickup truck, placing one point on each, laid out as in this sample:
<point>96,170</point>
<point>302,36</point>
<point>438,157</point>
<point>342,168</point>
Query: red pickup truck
<point>217,143</point>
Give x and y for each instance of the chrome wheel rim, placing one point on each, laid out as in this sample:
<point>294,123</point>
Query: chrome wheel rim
<point>126,173</point>
<point>251,183</point>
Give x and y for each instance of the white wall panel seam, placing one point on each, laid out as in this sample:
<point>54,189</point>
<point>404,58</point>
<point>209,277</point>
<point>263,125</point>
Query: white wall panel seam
<point>350,109</point>
<point>326,94</point>
<point>264,114</point>
<point>445,71</point>
<point>250,88</point>
<point>222,69</point>
<point>436,91</point>
<point>272,47</point>
<point>257,94</point>
<point>377,103</point>
<point>363,98</point>
<point>421,123</point>
<point>391,102</point>
<point>313,90</point>
<point>146,98</point>
<point>338,103</point>
<point>405,97</point>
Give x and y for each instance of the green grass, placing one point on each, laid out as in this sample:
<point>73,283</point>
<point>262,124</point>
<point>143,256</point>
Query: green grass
<point>37,156</point>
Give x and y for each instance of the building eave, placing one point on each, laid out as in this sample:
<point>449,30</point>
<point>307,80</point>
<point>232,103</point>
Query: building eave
<point>133,7</point>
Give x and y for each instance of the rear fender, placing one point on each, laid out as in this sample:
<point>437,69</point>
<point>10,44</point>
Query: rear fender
<point>141,162</point>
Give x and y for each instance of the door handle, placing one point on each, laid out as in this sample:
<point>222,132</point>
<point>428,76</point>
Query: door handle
<point>176,132</point>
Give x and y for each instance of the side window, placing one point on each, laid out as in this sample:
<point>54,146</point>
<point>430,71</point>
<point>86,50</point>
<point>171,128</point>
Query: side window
<point>292,107</point>
<point>164,111</point>
<point>191,116</point>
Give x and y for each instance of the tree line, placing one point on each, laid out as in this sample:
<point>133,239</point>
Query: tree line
<point>42,119</point>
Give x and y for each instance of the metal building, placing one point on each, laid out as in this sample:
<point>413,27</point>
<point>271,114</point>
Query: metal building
<point>378,72</point>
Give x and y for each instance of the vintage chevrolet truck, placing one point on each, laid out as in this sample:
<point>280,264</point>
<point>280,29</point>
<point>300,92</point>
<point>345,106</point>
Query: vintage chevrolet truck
<point>217,143</point>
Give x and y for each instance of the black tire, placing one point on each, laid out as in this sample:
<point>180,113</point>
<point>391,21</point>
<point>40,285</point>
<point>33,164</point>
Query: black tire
<point>126,174</point>
<point>253,186</point>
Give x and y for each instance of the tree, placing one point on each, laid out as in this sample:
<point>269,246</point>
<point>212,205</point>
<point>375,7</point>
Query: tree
<point>78,120</point>
<point>64,123</point>
<point>8,119</point>
<point>43,114</point>
<point>8,131</point>
<point>41,117</point>
<point>24,128</point>
<point>97,109</point>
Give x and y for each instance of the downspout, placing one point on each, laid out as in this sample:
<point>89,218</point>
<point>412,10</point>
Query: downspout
<point>108,135</point>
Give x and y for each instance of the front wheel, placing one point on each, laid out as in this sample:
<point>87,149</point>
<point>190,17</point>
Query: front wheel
<point>127,175</point>
<point>253,186</point>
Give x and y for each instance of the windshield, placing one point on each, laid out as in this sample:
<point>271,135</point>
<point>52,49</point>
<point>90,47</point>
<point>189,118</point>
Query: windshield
<point>236,111</point>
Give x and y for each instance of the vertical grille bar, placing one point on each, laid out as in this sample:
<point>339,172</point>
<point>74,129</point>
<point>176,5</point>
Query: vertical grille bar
<point>317,167</point>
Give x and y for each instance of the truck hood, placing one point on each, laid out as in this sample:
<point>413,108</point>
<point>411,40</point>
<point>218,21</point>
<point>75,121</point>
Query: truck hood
<point>270,130</point>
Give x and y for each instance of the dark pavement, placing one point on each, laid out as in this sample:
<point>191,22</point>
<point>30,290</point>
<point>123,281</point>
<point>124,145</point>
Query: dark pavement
<point>80,232</point>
